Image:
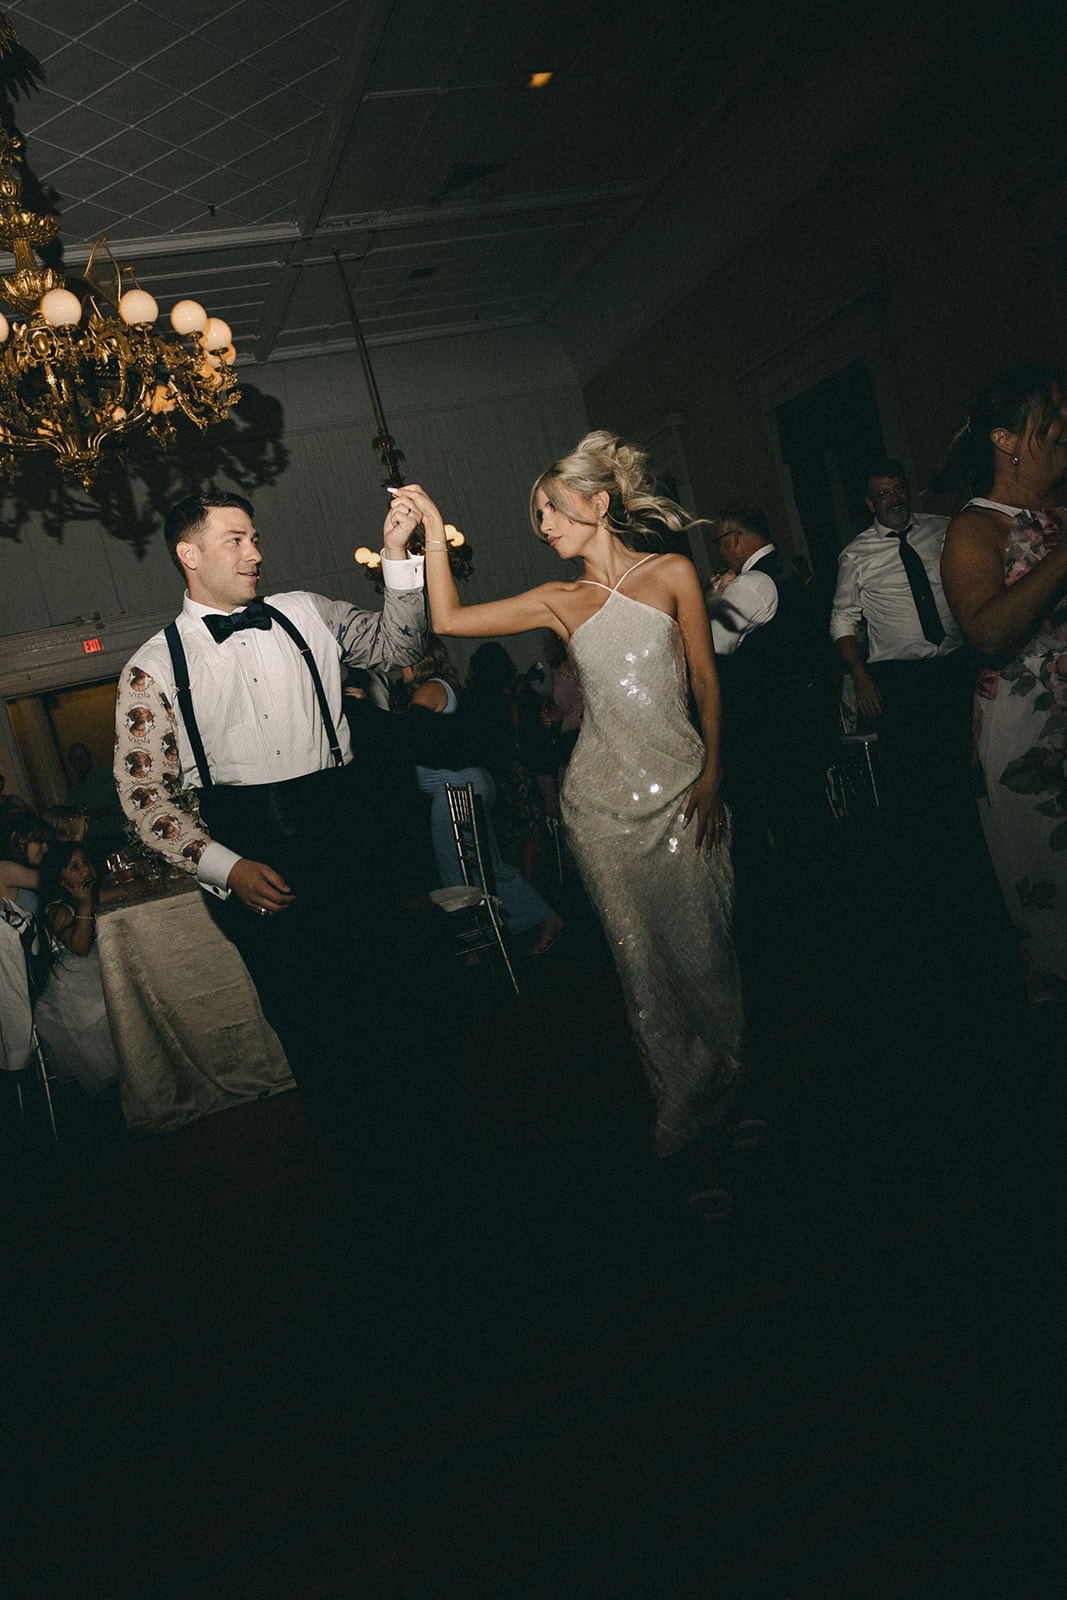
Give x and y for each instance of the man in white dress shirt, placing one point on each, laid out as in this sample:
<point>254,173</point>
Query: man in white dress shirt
<point>742,598</point>
<point>255,703</point>
<point>917,678</point>
<point>233,759</point>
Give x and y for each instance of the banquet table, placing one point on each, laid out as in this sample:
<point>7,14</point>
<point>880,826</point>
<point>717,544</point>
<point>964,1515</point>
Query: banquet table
<point>188,1029</point>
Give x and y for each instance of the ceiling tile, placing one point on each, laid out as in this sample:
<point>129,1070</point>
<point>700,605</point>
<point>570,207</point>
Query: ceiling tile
<point>282,112</point>
<point>45,158</point>
<point>225,140</point>
<point>241,86</point>
<point>190,14</point>
<point>217,187</point>
<point>433,36</point>
<point>285,212</point>
<point>75,67</point>
<point>224,216</point>
<point>184,65</point>
<point>238,211</point>
<point>251,28</point>
<point>300,53</point>
<point>40,109</point>
<point>307,139</point>
<point>131,195</point>
<point>176,169</point>
<point>39,40</point>
<point>167,214</point>
<point>182,122</point>
<point>378,152</point>
<point>86,222</point>
<point>81,179</point>
<point>131,150</point>
<point>320,87</point>
<point>336,22</point>
<point>72,17</point>
<point>132,35</point>
<point>131,98</point>
<point>266,203</point>
<point>269,162</point>
<point>78,129</point>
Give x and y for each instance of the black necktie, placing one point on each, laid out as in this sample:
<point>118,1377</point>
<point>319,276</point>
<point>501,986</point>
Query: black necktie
<point>921,589</point>
<point>254,615</point>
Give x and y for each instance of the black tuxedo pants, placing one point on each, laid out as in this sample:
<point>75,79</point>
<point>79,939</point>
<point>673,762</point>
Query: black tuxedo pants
<point>360,995</point>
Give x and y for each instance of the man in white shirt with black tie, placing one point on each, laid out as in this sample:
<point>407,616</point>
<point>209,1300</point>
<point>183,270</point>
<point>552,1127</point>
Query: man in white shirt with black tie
<point>916,681</point>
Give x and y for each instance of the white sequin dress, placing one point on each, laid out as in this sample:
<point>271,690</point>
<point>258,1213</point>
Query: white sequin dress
<point>665,906</point>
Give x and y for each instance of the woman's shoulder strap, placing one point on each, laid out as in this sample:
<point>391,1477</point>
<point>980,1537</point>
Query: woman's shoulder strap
<point>992,505</point>
<point>650,557</point>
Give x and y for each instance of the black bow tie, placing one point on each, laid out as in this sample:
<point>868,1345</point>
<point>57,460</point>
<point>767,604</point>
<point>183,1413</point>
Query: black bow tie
<point>254,615</point>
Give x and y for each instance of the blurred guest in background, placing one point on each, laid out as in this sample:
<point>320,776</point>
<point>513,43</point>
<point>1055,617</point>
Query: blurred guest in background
<point>10,802</point>
<point>23,850</point>
<point>770,651</point>
<point>92,790</point>
<point>445,749</point>
<point>492,711</point>
<point>67,822</point>
<point>71,1014</point>
<point>565,712</point>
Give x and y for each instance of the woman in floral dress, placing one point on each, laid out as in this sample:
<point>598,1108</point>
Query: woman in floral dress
<point>1004,569</point>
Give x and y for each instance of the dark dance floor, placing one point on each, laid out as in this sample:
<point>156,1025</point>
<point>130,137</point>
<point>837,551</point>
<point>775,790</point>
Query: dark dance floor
<point>847,1390</point>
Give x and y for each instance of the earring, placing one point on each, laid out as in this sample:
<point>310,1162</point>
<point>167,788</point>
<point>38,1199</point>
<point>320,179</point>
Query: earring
<point>1015,461</point>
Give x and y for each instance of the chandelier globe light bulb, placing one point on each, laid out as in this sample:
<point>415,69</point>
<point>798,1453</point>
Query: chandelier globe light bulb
<point>188,316</point>
<point>138,308</point>
<point>61,309</point>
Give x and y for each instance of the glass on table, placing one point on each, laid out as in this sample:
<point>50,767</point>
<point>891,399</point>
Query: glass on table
<point>121,866</point>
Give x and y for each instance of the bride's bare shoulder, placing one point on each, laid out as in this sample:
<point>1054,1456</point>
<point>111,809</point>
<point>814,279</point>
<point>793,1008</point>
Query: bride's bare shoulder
<point>673,570</point>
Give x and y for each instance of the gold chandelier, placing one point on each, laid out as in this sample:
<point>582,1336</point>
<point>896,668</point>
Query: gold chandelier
<point>79,373</point>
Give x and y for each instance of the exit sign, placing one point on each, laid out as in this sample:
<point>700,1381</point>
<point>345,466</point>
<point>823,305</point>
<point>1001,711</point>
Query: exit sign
<point>91,646</point>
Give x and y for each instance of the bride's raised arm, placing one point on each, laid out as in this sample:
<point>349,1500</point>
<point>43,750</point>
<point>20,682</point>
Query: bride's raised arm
<point>451,618</point>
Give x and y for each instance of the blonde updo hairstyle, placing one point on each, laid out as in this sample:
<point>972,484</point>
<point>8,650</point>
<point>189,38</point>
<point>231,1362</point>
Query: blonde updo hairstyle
<point>603,462</point>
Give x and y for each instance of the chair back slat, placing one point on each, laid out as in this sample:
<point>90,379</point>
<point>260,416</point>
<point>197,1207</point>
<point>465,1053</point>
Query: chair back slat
<point>469,829</point>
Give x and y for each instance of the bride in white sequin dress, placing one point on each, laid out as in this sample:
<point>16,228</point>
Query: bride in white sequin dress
<point>641,798</point>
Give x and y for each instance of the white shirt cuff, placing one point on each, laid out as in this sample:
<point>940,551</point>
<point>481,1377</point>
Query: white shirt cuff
<point>214,867</point>
<point>403,574</point>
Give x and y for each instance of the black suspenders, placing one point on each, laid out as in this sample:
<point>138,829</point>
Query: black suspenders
<point>185,699</point>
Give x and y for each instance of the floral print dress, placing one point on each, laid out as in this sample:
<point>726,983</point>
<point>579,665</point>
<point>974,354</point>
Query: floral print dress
<point>1021,764</point>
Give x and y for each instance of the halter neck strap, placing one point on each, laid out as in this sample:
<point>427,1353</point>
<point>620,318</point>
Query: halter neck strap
<point>613,588</point>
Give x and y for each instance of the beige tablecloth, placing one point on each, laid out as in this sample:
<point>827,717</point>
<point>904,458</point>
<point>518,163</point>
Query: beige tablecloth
<point>189,1033</point>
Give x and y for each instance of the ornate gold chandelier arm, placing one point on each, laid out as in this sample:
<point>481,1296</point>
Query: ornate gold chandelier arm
<point>76,379</point>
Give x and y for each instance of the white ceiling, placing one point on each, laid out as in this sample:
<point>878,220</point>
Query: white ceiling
<point>228,147</point>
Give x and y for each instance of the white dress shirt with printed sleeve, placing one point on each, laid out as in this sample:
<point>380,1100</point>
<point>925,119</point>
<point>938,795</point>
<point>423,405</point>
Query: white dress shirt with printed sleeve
<point>255,706</point>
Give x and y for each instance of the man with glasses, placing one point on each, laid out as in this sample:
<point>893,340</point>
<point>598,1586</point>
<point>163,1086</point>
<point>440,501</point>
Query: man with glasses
<point>914,686</point>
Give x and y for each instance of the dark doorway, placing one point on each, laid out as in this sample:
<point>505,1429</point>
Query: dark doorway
<point>828,435</point>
